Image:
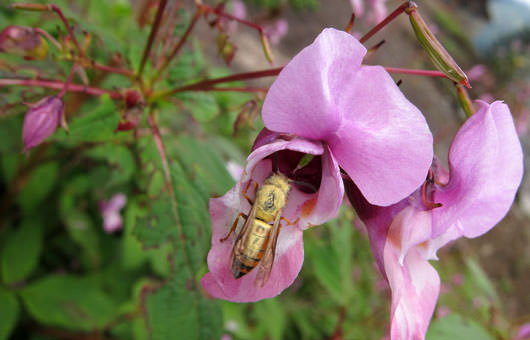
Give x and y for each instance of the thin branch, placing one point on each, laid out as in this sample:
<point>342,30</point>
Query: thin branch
<point>57,10</point>
<point>236,89</point>
<point>385,21</point>
<point>427,73</point>
<point>67,82</point>
<point>111,69</point>
<point>221,13</point>
<point>152,35</point>
<point>179,45</point>
<point>208,83</point>
<point>49,37</point>
<point>58,85</point>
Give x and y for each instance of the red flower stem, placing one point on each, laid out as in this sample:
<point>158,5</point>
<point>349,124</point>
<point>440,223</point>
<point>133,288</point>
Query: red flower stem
<point>57,85</point>
<point>350,23</point>
<point>386,21</point>
<point>49,37</point>
<point>221,13</point>
<point>57,10</point>
<point>67,82</point>
<point>233,89</point>
<point>208,83</point>
<point>111,69</point>
<point>427,73</point>
<point>152,35</point>
<point>179,45</point>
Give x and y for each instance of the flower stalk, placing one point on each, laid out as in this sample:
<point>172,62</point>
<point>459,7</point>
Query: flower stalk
<point>152,35</point>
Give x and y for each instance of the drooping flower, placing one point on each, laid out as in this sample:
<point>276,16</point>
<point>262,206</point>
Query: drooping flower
<point>376,9</point>
<point>41,121</point>
<point>486,168</point>
<point>375,134</point>
<point>276,30</point>
<point>23,41</point>
<point>310,204</point>
<point>110,212</point>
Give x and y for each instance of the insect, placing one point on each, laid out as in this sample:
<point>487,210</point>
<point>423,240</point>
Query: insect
<point>256,242</point>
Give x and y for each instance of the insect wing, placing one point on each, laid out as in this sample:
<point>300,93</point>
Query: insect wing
<point>266,262</point>
<point>238,244</point>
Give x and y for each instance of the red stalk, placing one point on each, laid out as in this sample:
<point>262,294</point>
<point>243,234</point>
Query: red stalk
<point>58,85</point>
<point>385,21</point>
<point>152,35</point>
<point>179,45</point>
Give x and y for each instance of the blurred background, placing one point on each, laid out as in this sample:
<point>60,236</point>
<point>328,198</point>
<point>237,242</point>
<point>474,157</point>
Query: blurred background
<point>64,276</point>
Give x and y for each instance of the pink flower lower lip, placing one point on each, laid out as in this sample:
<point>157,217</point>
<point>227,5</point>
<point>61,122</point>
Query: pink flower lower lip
<point>304,208</point>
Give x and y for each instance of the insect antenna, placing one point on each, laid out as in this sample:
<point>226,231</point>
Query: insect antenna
<point>276,162</point>
<point>305,184</point>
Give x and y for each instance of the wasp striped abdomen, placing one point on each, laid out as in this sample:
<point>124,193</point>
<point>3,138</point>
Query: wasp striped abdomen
<point>253,247</point>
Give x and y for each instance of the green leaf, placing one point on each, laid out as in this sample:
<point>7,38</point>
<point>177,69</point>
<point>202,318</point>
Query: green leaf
<point>11,132</point>
<point>201,105</point>
<point>21,252</point>
<point>204,166</point>
<point>480,278</point>
<point>455,327</point>
<point>78,222</point>
<point>273,318</point>
<point>119,159</point>
<point>96,126</point>
<point>332,262</point>
<point>41,182</point>
<point>71,302</point>
<point>154,229</point>
<point>174,306</point>
<point>9,308</point>
<point>177,213</point>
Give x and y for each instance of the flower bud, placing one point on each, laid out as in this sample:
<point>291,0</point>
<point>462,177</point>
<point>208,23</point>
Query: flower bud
<point>41,121</point>
<point>23,41</point>
<point>226,48</point>
<point>438,54</point>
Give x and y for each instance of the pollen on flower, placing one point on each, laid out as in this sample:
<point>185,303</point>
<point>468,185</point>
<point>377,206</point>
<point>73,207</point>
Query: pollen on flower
<point>308,207</point>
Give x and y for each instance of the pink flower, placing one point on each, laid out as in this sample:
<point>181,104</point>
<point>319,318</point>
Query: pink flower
<point>375,134</point>
<point>376,9</point>
<point>41,121</point>
<point>276,30</point>
<point>304,208</point>
<point>523,333</point>
<point>110,212</point>
<point>486,168</point>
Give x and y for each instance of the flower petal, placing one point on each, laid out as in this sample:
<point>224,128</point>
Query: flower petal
<point>415,287</point>
<point>302,99</point>
<point>221,284</point>
<point>486,167</point>
<point>310,209</point>
<point>384,143</point>
<point>325,205</point>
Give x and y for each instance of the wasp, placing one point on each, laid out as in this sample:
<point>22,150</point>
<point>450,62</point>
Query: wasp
<point>256,242</point>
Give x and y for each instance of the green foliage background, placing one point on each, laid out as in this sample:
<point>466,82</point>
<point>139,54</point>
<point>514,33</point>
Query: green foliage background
<point>62,276</point>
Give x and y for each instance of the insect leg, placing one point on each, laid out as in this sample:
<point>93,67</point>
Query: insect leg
<point>245,191</point>
<point>234,225</point>
<point>289,222</point>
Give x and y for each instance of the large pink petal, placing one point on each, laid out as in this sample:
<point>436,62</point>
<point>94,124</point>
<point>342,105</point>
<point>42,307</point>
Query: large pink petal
<point>384,142</point>
<point>220,283</point>
<point>302,99</point>
<point>415,284</point>
<point>486,167</point>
